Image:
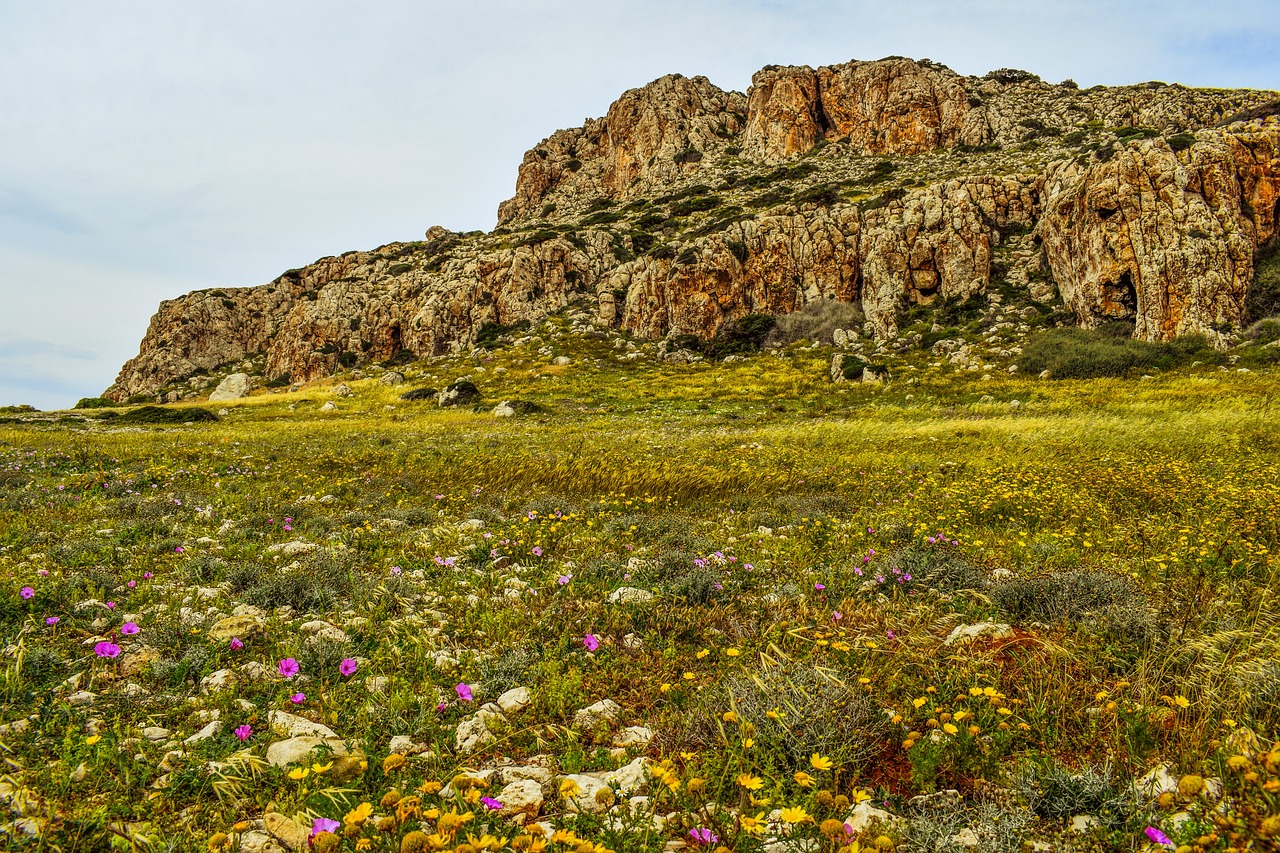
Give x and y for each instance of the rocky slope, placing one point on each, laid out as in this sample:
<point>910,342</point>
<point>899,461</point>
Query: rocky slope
<point>889,184</point>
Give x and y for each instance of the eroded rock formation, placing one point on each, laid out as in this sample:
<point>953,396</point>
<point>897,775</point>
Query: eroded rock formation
<point>687,206</point>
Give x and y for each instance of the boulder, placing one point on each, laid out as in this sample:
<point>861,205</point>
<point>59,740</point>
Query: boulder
<point>234,387</point>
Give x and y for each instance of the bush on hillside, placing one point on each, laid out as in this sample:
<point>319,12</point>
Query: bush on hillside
<point>161,415</point>
<point>95,403</point>
<point>1093,353</point>
<point>816,321</point>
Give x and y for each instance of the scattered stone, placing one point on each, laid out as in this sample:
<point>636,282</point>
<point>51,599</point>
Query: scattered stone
<point>291,725</point>
<point>630,595</point>
<point>639,736</point>
<point>405,745</point>
<point>234,387</point>
<point>257,841</point>
<point>391,377</point>
<point>242,626</point>
<point>286,831</point>
<point>293,548</point>
<point>344,390</point>
<point>604,711</point>
<point>204,734</point>
<point>969,633</point>
<point>222,679</point>
<point>523,796</point>
<point>294,750</point>
<point>515,700</point>
<point>473,734</point>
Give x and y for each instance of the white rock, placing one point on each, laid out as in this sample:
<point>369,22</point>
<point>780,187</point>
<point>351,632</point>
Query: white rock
<point>205,733</point>
<point>329,407</point>
<point>405,745</point>
<point>155,734</point>
<point>234,387</point>
<point>257,841</point>
<point>504,410</point>
<point>291,725</point>
<point>966,838</point>
<point>222,679</point>
<point>472,734</point>
<point>293,548</point>
<point>523,796</point>
<point>634,736</point>
<point>1159,780</point>
<point>515,700</point>
<point>604,711</point>
<point>242,626</point>
<point>1082,823</point>
<point>630,595</point>
<point>283,753</point>
<point>969,633</point>
<point>293,836</point>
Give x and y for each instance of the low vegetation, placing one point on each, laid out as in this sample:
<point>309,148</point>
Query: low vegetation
<point>965,604</point>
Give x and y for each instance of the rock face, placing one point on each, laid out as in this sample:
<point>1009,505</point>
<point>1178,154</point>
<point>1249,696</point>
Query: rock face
<point>686,207</point>
<point>1166,239</point>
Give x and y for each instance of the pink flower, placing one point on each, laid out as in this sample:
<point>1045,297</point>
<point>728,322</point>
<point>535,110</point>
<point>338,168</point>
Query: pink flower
<point>106,650</point>
<point>348,666</point>
<point>491,804</point>
<point>564,579</point>
<point>27,592</point>
<point>537,550</point>
<point>464,692</point>
<point>591,642</point>
<point>836,615</point>
<point>702,835</point>
<point>298,698</point>
<point>236,644</point>
<point>51,620</point>
<point>441,706</point>
<point>819,586</point>
<point>132,584</point>
<point>323,824</point>
<point>129,628</point>
<point>244,732</point>
<point>146,576</point>
<point>288,667</point>
<point>44,573</point>
<point>1158,837</point>
<point>177,550</point>
<point>111,605</point>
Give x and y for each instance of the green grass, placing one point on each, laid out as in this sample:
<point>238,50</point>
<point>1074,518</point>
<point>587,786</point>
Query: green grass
<point>1127,531</point>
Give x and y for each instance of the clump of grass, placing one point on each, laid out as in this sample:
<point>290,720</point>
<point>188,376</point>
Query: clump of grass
<point>161,415</point>
<point>815,321</point>
<point>1091,354</point>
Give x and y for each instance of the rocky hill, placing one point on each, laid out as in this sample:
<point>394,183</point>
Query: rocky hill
<point>891,184</point>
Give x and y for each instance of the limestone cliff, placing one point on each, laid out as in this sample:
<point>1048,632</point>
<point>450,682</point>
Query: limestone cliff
<point>887,183</point>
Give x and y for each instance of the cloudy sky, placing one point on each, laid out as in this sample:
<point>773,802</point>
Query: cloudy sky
<point>152,148</point>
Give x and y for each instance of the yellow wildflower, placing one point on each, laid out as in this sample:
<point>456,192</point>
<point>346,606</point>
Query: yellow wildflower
<point>819,762</point>
<point>358,815</point>
<point>297,774</point>
<point>733,653</point>
<point>92,739</point>
<point>569,788</point>
<point>804,780</point>
<point>949,728</point>
<point>752,825</point>
<point>751,783</point>
<point>729,717</point>
<point>795,814</point>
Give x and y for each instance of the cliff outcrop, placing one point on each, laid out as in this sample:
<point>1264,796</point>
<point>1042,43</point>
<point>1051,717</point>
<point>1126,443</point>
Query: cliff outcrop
<point>890,184</point>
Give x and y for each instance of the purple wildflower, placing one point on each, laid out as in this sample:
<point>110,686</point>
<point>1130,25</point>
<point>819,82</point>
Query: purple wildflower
<point>464,692</point>
<point>129,628</point>
<point>27,592</point>
<point>702,835</point>
<point>348,666</point>
<point>591,642</point>
<point>1159,837</point>
<point>106,650</point>
<point>244,732</point>
<point>491,804</point>
<point>298,698</point>
<point>236,644</point>
<point>323,824</point>
<point>537,550</point>
<point>288,667</point>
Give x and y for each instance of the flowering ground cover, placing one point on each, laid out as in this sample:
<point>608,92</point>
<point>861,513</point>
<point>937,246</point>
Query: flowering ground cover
<point>722,606</point>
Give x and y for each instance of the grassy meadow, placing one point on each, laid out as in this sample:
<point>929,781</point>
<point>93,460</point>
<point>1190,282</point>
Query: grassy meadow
<point>944,613</point>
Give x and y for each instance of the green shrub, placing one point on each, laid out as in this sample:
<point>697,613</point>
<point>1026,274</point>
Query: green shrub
<point>1092,353</point>
<point>815,321</point>
<point>1063,597</point>
<point>399,269</point>
<point>160,415</point>
<point>744,335</point>
<point>1263,298</point>
<point>694,205</point>
<point>418,394</point>
<point>688,155</point>
<point>1181,141</point>
<point>95,403</point>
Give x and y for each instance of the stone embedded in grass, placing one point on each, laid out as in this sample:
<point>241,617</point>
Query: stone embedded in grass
<point>969,633</point>
<point>205,733</point>
<point>293,750</point>
<point>247,625</point>
<point>515,700</point>
<point>292,548</point>
<point>639,736</point>
<point>604,711</point>
<point>630,595</point>
<point>291,725</point>
<point>234,387</point>
<point>523,796</point>
<point>222,679</point>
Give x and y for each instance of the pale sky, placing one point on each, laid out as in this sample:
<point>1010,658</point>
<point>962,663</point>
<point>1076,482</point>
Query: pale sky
<point>153,147</point>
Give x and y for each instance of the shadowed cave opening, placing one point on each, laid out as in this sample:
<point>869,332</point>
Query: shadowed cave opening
<point>1120,298</point>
